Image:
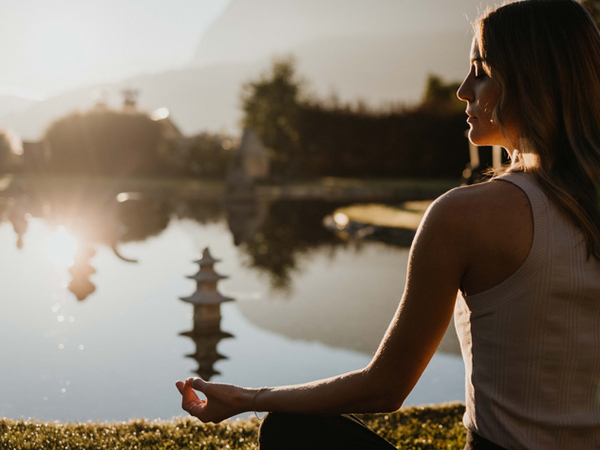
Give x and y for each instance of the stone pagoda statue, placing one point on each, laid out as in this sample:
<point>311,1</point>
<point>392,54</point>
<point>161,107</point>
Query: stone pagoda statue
<point>207,300</point>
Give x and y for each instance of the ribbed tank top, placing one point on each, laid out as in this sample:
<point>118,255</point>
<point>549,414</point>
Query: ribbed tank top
<point>531,344</point>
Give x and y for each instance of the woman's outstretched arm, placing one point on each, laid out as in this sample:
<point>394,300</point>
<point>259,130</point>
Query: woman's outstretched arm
<point>440,255</point>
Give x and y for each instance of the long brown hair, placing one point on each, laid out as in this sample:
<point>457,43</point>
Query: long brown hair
<point>545,54</point>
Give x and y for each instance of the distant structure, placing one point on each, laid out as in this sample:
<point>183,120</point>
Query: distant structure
<point>206,332</point>
<point>254,156</point>
<point>245,218</point>
<point>100,98</point>
<point>130,97</point>
<point>250,163</point>
<point>245,210</point>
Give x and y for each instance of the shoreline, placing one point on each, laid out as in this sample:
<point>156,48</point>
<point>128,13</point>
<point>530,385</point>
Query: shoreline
<point>327,188</point>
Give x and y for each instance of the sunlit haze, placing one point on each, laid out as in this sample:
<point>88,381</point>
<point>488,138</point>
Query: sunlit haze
<point>189,59</point>
<point>49,47</point>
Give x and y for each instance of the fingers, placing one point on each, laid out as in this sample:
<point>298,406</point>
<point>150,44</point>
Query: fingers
<point>190,401</point>
<point>188,393</point>
<point>193,407</point>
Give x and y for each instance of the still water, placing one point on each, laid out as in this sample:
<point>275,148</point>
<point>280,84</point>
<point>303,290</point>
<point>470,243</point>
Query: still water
<point>92,327</point>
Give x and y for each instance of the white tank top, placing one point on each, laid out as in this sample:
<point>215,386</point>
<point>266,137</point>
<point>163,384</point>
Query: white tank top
<point>531,345</point>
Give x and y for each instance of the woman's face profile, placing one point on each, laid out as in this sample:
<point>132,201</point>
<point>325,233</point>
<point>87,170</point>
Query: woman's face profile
<point>481,93</point>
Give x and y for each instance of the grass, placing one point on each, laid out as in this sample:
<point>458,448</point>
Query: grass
<point>406,215</point>
<point>432,428</point>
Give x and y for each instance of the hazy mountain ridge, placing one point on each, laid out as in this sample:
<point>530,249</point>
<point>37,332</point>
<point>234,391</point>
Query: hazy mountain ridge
<point>376,64</point>
<point>14,104</point>
<point>280,25</point>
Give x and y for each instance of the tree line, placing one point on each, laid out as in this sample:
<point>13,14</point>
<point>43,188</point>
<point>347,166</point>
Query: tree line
<point>308,137</point>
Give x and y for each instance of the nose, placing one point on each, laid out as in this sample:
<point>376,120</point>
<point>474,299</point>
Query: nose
<point>465,92</point>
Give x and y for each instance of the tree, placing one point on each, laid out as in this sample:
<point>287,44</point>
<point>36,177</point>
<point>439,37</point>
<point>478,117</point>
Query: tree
<point>441,96</point>
<point>208,155</point>
<point>271,108</point>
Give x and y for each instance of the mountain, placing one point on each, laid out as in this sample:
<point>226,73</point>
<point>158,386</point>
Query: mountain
<point>15,104</point>
<point>197,98</point>
<point>379,51</point>
<point>250,29</point>
<point>382,69</point>
<point>207,98</point>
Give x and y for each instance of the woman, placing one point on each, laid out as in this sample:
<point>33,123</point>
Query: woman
<point>516,259</point>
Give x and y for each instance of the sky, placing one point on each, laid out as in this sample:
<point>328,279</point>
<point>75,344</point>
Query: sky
<point>51,46</point>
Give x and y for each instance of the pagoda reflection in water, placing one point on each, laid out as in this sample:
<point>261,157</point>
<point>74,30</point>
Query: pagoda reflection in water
<point>206,332</point>
<point>81,270</point>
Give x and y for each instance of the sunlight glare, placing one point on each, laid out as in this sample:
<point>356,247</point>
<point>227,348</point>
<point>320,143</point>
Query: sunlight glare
<point>61,247</point>
<point>125,196</point>
<point>341,220</point>
<point>160,113</point>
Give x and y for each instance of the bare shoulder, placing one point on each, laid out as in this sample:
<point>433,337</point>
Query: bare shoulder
<point>490,224</point>
<point>492,204</point>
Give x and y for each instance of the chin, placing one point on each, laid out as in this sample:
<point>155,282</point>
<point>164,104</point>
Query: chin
<point>484,139</point>
<point>477,140</point>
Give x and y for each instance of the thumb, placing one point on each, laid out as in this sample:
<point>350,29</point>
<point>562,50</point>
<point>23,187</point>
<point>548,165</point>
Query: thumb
<point>197,383</point>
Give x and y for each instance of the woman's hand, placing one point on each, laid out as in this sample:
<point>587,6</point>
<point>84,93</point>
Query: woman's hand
<point>222,400</point>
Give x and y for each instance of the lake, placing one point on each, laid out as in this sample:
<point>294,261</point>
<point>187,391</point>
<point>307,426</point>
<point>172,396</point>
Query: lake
<point>92,325</point>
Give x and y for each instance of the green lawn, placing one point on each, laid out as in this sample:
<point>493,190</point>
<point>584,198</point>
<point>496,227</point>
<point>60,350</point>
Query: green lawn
<point>435,427</point>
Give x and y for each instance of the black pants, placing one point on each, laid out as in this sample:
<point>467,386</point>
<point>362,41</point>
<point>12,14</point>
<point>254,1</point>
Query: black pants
<point>283,431</point>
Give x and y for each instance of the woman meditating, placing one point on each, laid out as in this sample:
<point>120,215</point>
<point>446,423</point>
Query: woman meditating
<point>516,259</point>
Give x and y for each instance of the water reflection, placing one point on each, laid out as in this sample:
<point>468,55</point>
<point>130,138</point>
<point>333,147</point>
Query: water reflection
<point>130,327</point>
<point>206,336</point>
<point>273,234</point>
<point>92,216</point>
<point>207,301</point>
<point>81,270</point>
<point>289,231</point>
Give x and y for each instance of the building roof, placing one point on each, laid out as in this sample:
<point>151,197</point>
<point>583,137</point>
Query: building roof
<point>207,275</point>
<point>206,298</point>
<point>206,258</point>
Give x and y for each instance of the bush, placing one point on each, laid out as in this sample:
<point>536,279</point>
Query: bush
<point>208,155</point>
<point>105,142</point>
